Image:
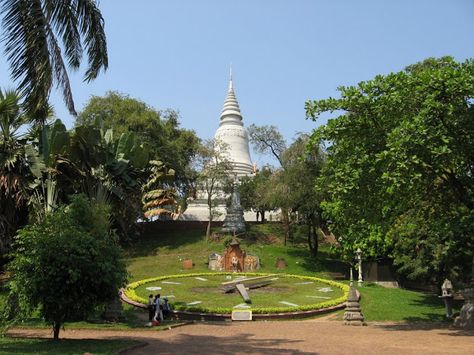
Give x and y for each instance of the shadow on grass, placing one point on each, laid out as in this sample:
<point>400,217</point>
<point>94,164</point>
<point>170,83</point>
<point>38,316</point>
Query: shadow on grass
<point>321,263</point>
<point>152,239</point>
<point>433,302</point>
<point>12,345</point>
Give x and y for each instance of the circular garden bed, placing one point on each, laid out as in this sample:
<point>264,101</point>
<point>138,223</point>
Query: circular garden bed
<point>200,294</point>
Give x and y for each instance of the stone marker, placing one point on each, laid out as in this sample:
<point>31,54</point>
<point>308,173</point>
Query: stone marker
<point>171,283</point>
<point>242,315</point>
<point>216,262</point>
<point>353,314</point>
<point>200,278</point>
<point>188,264</point>
<point>280,263</point>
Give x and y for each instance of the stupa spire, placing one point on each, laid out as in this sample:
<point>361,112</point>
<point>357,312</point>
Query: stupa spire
<point>232,132</point>
<point>231,110</point>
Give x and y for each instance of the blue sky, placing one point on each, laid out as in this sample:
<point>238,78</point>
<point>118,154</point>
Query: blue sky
<point>176,54</point>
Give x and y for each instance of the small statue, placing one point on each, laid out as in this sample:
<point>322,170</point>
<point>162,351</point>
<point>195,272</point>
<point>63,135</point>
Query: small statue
<point>235,264</point>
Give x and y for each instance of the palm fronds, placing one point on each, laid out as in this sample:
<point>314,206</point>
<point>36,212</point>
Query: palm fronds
<point>34,52</point>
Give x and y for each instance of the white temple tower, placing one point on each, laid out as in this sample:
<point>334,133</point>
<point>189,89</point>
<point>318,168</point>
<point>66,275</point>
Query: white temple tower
<point>231,131</point>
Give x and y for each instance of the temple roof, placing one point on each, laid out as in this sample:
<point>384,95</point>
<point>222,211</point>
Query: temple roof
<point>231,110</point>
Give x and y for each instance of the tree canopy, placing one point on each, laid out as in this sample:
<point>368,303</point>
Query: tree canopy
<point>168,143</point>
<point>400,167</point>
<point>267,140</point>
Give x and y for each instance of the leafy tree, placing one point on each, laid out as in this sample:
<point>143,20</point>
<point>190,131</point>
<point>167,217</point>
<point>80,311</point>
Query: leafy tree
<point>112,166</point>
<point>253,190</point>
<point>67,265</point>
<point>214,173</point>
<point>92,161</point>
<point>267,139</point>
<point>35,53</point>
<point>302,167</point>
<point>160,130</point>
<point>15,169</point>
<point>399,159</point>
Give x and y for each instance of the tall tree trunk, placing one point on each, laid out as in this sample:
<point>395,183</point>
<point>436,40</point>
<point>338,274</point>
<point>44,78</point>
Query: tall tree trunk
<point>312,239</point>
<point>208,229</point>
<point>315,238</point>
<point>286,224</point>
<point>310,242</point>
<point>56,328</point>
<point>209,206</point>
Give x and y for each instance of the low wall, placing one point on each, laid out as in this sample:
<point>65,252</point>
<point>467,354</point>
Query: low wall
<point>167,226</point>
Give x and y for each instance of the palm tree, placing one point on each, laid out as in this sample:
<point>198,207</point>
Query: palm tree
<point>14,170</point>
<point>32,29</point>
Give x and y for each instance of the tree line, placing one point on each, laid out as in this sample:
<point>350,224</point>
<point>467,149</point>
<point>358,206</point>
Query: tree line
<point>392,174</point>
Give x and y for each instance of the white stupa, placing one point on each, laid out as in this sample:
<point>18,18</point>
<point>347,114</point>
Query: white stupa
<point>232,132</point>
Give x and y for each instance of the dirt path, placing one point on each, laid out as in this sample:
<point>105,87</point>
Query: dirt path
<point>318,336</point>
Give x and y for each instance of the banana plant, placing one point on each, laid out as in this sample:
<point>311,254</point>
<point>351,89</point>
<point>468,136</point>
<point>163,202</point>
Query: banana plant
<point>159,197</point>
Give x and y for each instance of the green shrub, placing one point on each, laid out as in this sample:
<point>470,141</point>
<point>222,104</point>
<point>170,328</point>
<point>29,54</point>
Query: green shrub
<point>66,265</point>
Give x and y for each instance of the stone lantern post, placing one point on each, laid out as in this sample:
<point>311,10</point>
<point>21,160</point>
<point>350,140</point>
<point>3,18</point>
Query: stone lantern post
<point>359,261</point>
<point>447,297</point>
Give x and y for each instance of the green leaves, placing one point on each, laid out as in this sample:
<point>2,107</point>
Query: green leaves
<point>35,54</point>
<point>68,264</point>
<point>405,140</point>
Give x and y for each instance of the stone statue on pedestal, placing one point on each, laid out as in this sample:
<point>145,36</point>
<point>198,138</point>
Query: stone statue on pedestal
<point>234,221</point>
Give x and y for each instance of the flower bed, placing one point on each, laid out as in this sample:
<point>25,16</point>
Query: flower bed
<point>342,293</point>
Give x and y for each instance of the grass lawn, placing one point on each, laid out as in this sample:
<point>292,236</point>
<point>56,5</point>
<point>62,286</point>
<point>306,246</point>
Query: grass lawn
<point>157,254</point>
<point>383,304</point>
<point>65,347</point>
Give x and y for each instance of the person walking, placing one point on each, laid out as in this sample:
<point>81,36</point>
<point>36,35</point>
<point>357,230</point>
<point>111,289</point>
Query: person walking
<point>166,308</point>
<point>151,309</point>
<point>158,308</point>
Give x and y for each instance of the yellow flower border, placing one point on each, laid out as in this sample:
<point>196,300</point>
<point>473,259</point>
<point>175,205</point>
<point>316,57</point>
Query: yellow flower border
<point>130,293</point>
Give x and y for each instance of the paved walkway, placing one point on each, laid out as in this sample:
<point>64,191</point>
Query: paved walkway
<point>318,336</point>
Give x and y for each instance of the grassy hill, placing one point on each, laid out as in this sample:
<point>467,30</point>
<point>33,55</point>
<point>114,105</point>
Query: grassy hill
<point>162,251</point>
